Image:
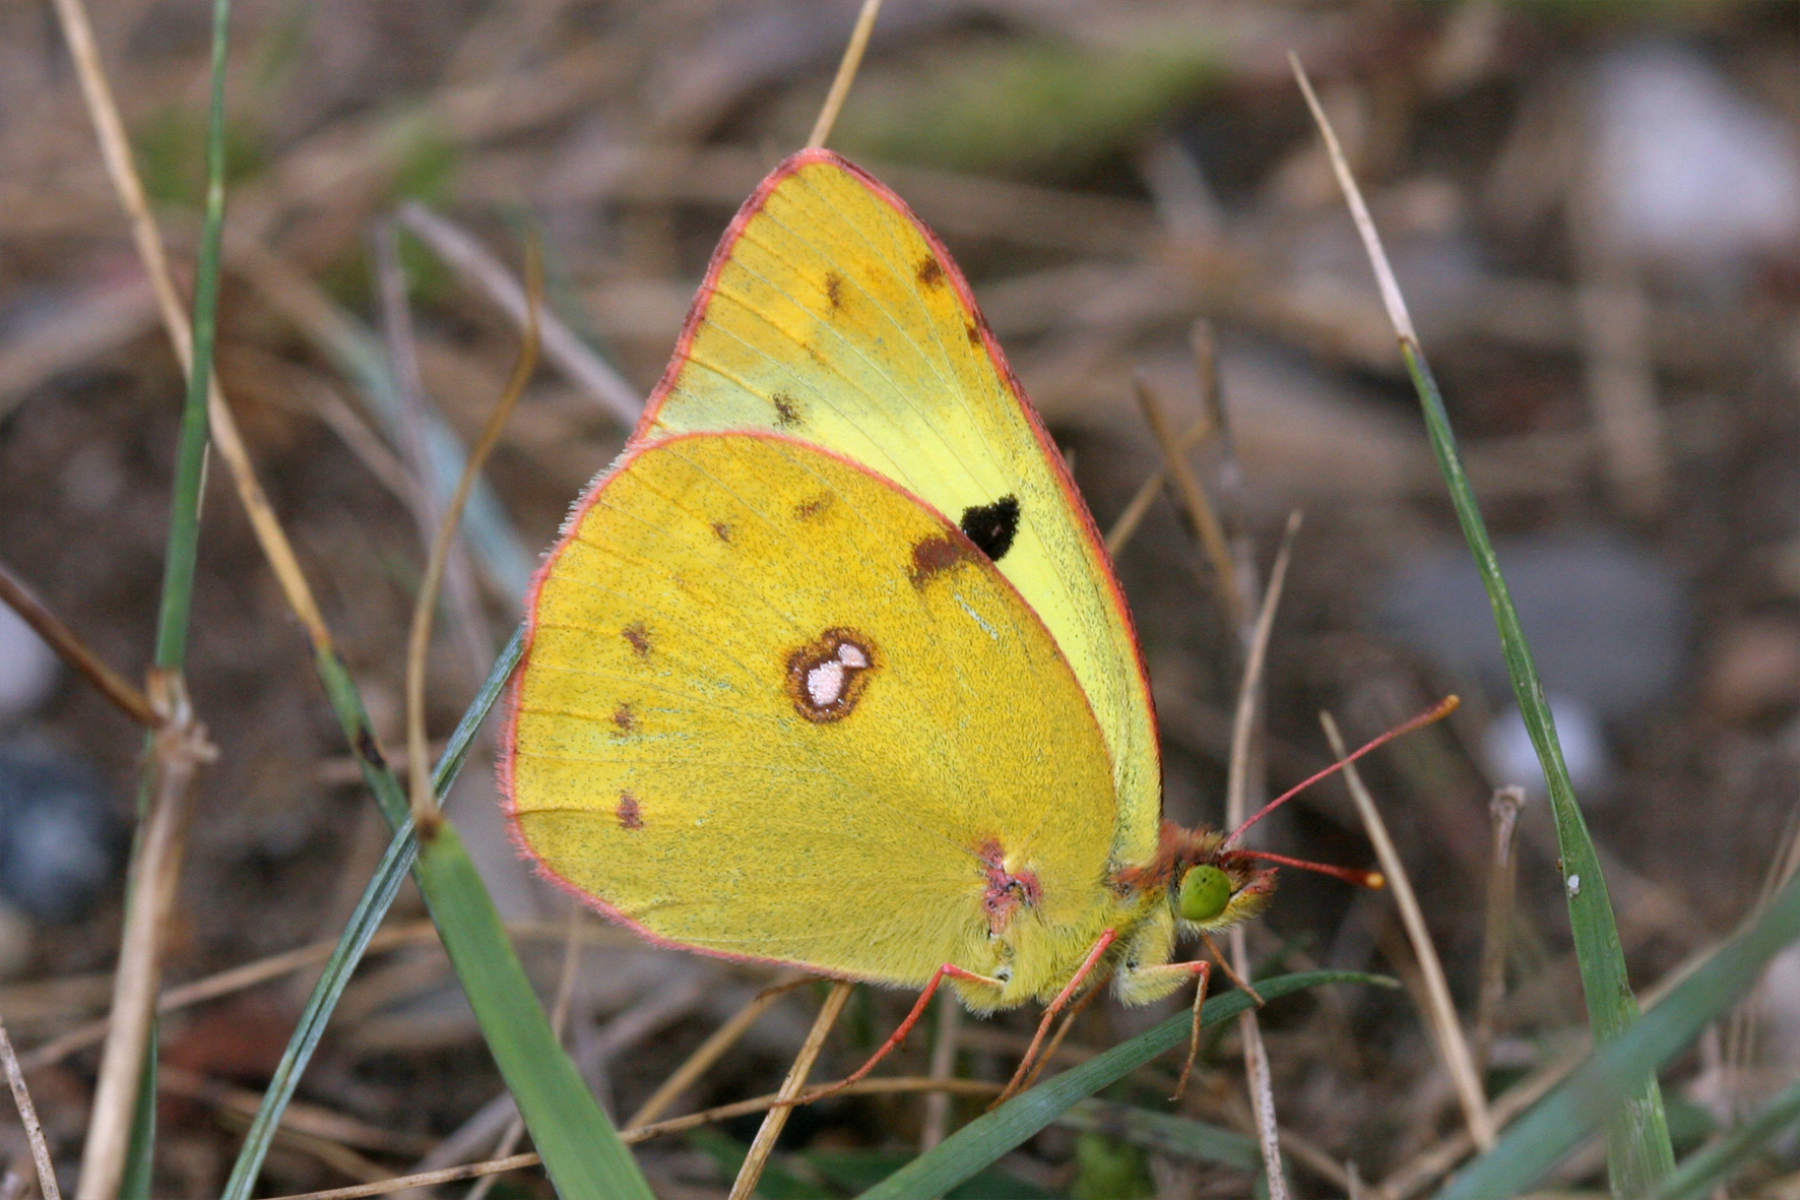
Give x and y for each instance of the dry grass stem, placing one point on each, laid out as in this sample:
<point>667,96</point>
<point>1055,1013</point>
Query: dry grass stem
<point>1312,1156</point>
<point>298,1117</point>
<point>1126,527</point>
<point>1237,806</point>
<point>896,1085</point>
<point>401,342</point>
<point>115,150</point>
<point>709,1052</point>
<point>1496,942</point>
<point>1391,298</point>
<point>497,1166</point>
<point>936,1122</point>
<point>222,984</point>
<point>1432,1164</point>
<point>763,1144</point>
<point>478,266</point>
<point>178,750</point>
<point>73,651</point>
<point>1260,1082</point>
<point>34,1132</point>
<point>846,75</point>
<point>1202,518</point>
<point>1440,1012</point>
<point>95,324</point>
<point>424,803</point>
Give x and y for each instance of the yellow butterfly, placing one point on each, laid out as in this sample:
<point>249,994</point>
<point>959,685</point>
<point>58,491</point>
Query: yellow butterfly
<point>831,669</point>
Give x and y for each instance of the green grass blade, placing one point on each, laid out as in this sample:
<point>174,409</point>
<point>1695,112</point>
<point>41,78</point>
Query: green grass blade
<point>582,1151</point>
<point>371,910</point>
<point>1182,1137</point>
<point>174,613</point>
<point>1639,1151</point>
<point>140,1156</point>
<point>982,1141</point>
<point>1562,1119</point>
<point>1711,1168</point>
<point>367,918</point>
<point>184,507</point>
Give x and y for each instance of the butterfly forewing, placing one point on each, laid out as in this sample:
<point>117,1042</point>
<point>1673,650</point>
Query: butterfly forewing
<point>776,707</point>
<point>832,316</point>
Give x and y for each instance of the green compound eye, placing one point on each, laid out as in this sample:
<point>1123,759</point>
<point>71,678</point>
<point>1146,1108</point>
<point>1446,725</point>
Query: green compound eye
<point>1205,891</point>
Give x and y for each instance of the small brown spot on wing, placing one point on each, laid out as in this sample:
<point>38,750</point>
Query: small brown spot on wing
<point>834,290</point>
<point>639,636</point>
<point>806,510</point>
<point>935,555</point>
<point>931,271</point>
<point>827,676</point>
<point>787,411</point>
<point>624,718</point>
<point>629,814</point>
<point>722,531</point>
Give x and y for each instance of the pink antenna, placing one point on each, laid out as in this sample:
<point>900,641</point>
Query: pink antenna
<point>1368,879</point>
<point>1442,709</point>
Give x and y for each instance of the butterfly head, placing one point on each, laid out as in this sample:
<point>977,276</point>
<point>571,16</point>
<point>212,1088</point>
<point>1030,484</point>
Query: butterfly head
<point>1207,885</point>
<point>1211,888</point>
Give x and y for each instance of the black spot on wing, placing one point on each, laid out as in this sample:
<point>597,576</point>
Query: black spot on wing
<point>992,527</point>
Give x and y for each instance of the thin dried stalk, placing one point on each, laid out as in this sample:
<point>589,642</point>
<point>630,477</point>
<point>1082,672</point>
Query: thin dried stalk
<point>72,650</point>
<point>763,1144</point>
<point>1237,804</point>
<point>401,342</point>
<point>1126,527</point>
<point>893,1085</point>
<point>178,749</point>
<point>943,1062</point>
<point>1437,1161</point>
<point>34,1132</point>
<point>1440,1009</point>
<point>846,75</point>
<point>477,265</point>
<point>1195,502</point>
<point>236,979</point>
<point>710,1051</point>
<point>424,802</point>
<point>115,150</point>
<point>1496,942</point>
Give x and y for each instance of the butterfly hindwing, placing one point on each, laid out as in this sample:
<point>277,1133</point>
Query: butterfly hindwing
<point>774,706</point>
<point>832,316</point>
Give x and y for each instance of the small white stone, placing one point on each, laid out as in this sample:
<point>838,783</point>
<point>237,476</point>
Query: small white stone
<point>28,668</point>
<point>1574,886</point>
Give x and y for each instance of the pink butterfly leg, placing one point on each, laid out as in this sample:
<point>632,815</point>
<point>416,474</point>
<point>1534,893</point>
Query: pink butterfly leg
<point>1056,1006</point>
<point>912,1018</point>
<point>1201,970</point>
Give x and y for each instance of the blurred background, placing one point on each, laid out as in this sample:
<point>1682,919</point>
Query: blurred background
<point>1593,209</point>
